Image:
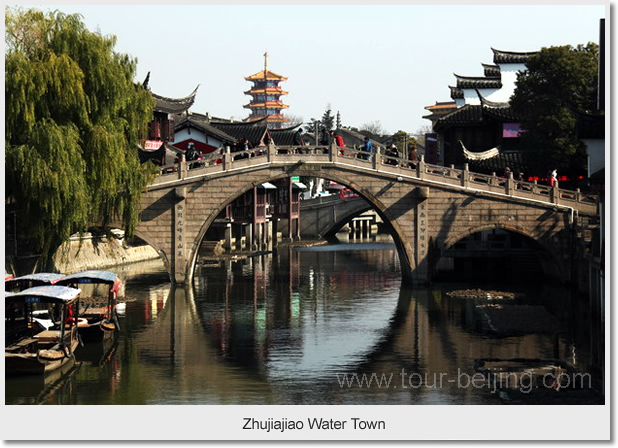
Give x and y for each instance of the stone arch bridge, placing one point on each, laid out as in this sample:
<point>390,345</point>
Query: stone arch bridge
<point>428,208</point>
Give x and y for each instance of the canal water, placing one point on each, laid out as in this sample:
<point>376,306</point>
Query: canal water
<point>328,324</point>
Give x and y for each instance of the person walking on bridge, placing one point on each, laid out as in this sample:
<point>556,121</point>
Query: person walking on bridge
<point>299,139</point>
<point>367,147</point>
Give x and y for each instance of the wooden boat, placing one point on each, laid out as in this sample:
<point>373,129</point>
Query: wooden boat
<point>16,284</point>
<point>98,315</point>
<point>30,349</point>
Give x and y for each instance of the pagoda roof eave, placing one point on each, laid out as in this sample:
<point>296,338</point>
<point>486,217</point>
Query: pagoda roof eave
<point>266,106</point>
<point>267,91</point>
<point>268,75</point>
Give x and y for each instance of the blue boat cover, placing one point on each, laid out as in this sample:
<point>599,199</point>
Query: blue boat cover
<point>92,276</point>
<point>44,294</point>
<point>38,279</point>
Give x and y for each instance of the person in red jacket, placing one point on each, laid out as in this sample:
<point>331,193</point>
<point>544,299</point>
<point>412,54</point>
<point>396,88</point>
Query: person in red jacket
<point>340,143</point>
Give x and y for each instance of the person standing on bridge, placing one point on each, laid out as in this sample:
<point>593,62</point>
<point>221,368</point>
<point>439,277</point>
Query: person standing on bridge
<point>340,143</point>
<point>367,147</point>
<point>299,139</point>
<point>553,178</point>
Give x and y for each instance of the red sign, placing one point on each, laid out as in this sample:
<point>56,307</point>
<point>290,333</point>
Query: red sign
<point>150,145</point>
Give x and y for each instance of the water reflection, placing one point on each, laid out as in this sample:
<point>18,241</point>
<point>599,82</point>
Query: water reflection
<point>287,327</point>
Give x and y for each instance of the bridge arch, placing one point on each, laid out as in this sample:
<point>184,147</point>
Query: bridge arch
<point>547,255</point>
<point>242,186</point>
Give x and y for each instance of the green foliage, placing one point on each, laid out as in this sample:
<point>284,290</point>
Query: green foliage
<point>558,81</point>
<point>328,120</point>
<point>73,117</point>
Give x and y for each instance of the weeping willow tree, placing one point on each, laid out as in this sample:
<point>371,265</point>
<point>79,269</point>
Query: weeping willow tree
<point>73,116</point>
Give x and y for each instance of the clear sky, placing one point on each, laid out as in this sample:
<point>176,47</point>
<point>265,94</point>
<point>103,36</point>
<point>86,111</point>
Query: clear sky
<point>370,63</point>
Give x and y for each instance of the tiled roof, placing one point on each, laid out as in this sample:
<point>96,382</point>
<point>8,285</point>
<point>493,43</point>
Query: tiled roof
<point>267,91</point>
<point>504,114</point>
<point>268,75</point>
<point>351,138</point>
<point>491,70</point>
<point>512,57</point>
<point>254,131</point>
<point>267,105</point>
<point>499,111</point>
<point>478,82</point>
<point>441,106</point>
<point>285,136</point>
<point>174,105</point>
<point>456,93</point>
<point>512,160</point>
<point>465,115</point>
<point>205,127</point>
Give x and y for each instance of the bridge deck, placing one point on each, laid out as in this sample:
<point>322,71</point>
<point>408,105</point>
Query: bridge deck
<point>221,165</point>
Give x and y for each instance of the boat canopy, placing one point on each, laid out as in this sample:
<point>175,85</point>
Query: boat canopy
<point>37,279</point>
<point>92,276</point>
<point>45,294</point>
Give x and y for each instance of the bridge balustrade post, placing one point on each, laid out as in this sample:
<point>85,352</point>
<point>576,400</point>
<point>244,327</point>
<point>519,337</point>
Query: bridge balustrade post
<point>334,152</point>
<point>270,150</point>
<point>465,176</point>
<point>420,167</point>
<point>535,186</point>
<point>227,159</point>
<point>509,185</point>
<point>374,160</point>
<point>182,167</point>
<point>554,194</point>
<point>494,179</point>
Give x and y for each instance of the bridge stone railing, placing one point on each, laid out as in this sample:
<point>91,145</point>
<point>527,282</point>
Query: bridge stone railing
<point>223,161</point>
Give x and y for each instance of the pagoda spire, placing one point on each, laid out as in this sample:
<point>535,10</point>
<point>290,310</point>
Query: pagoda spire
<point>265,62</point>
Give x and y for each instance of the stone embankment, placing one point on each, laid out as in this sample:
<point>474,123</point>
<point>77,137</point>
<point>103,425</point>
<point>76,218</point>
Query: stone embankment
<point>99,253</point>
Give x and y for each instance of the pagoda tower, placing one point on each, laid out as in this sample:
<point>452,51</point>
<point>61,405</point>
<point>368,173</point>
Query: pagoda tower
<point>266,96</point>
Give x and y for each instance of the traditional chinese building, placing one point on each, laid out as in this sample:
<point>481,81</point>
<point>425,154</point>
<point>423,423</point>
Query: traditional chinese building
<point>161,129</point>
<point>483,130</point>
<point>266,96</point>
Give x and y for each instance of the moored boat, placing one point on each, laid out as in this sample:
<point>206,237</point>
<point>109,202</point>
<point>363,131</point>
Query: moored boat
<point>98,315</point>
<point>16,284</point>
<point>30,348</point>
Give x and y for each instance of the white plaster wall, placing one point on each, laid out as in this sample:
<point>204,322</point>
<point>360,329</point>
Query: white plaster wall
<point>508,73</point>
<point>182,135</point>
<point>198,136</point>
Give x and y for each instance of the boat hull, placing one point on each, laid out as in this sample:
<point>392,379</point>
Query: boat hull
<point>39,363</point>
<point>97,331</point>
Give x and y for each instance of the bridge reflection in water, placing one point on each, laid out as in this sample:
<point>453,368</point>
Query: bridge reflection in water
<point>285,328</point>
